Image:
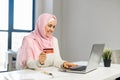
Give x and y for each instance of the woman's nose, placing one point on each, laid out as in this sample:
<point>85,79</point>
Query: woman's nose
<point>52,29</point>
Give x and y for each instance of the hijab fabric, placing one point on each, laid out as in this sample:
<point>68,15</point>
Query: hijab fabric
<point>39,32</point>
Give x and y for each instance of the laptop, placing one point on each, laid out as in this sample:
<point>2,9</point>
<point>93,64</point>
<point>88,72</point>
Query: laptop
<point>93,63</point>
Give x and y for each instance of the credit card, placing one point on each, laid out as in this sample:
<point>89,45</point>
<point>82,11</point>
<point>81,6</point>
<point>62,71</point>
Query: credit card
<point>48,50</point>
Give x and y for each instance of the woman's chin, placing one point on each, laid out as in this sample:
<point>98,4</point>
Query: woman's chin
<point>49,36</point>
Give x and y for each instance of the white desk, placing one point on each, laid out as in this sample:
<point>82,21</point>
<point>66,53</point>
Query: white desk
<point>102,73</point>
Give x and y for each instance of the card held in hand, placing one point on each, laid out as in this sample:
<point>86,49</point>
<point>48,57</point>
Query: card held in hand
<point>48,50</point>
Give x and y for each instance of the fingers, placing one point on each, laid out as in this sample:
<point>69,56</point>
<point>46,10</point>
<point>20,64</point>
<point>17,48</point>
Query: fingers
<point>73,65</point>
<point>68,65</point>
<point>44,51</point>
<point>65,65</point>
<point>43,54</point>
<point>42,58</point>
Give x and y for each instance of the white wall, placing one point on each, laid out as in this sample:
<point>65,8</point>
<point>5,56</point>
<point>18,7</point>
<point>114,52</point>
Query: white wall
<point>43,6</point>
<point>84,22</point>
<point>89,21</point>
<point>57,11</point>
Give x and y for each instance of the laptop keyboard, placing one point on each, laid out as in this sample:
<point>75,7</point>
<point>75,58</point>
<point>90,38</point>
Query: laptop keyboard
<point>78,68</point>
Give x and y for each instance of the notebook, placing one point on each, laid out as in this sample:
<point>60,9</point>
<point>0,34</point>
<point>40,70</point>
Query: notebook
<point>93,62</point>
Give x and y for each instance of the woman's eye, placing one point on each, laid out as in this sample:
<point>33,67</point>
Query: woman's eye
<point>53,26</point>
<point>50,25</point>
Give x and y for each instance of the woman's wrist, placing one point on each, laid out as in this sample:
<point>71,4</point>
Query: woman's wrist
<point>41,62</point>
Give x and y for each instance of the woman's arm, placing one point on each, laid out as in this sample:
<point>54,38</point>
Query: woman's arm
<point>57,58</point>
<point>29,54</point>
<point>58,62</point>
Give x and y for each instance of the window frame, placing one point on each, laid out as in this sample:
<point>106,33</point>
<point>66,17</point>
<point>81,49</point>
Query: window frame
<point>10,22</point>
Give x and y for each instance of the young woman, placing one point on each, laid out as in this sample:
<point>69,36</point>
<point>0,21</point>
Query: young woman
<point>40,47</point>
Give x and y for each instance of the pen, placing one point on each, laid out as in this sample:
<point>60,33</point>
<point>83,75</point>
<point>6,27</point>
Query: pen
<point>48,73</point>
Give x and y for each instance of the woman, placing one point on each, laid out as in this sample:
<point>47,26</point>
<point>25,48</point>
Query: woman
<point>32,53</point>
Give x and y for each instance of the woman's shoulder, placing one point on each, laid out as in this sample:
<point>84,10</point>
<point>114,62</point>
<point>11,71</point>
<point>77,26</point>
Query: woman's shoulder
<point>55,39</point>
<point>28,38</point>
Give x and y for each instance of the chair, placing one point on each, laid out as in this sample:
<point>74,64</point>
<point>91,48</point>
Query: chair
<point>17,62</point>
<point>116,56</point>
<point>11,60</point>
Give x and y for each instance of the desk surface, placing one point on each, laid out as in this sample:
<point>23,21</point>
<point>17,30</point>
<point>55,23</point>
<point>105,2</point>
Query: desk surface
<point>102,73</point>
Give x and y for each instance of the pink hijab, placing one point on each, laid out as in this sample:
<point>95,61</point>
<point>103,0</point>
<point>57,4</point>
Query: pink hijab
<point>38,40</point>
<point>39,32</point>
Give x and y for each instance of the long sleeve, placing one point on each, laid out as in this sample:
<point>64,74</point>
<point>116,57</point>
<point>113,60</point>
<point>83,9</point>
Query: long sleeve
<point>33,64</point>
<point>57,58</point>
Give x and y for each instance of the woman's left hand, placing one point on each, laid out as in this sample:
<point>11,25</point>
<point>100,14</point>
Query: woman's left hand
<point>68,65</point>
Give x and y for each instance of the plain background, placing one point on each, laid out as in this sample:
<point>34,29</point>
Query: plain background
<point>82,23</point>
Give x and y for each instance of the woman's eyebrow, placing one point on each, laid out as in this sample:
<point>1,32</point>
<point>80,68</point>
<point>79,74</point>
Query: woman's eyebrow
<point>51,25</point>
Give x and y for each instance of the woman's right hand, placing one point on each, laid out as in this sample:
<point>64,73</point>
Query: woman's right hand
<point>42,58</point>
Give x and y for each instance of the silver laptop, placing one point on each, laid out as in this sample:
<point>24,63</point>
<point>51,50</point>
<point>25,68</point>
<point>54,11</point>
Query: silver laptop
<point>93,63</point>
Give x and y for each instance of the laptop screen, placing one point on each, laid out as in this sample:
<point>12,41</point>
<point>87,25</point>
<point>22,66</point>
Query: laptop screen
<point>95,56</point>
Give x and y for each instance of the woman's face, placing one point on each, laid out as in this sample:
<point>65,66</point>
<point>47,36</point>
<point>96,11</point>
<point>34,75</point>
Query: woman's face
<point>49,29</point>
